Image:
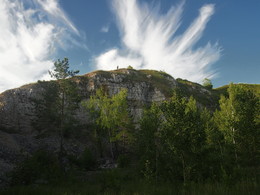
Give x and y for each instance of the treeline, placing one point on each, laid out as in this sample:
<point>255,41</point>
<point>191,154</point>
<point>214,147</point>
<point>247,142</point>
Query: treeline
<point>175,141</point>
<point>179,141</point>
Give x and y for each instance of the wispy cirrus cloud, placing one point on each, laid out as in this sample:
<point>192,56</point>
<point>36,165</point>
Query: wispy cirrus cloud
<point>105,29</point>
<point>149,41</point>
<point>31,31</point>
<point>53,9</point>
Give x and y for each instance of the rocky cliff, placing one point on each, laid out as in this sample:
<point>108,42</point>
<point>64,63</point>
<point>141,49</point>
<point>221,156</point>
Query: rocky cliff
<point>19,138</point>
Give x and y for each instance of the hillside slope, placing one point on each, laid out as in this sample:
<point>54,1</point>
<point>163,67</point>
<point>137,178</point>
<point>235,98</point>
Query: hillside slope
<point>18,113</point>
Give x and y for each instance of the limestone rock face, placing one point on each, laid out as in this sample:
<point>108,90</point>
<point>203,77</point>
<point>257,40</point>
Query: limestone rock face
<point>17,108</point>
<point>18,136</point>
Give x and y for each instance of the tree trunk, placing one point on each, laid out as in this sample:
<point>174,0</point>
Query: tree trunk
<point>99,142</point>
<point>183,169</point>
<point>61,122</point>
<point>111,145</point>
<point>234,143</point>
<point>156,160</point>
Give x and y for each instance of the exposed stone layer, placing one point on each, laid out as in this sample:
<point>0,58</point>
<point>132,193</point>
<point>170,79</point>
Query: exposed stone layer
<point>18,137</point>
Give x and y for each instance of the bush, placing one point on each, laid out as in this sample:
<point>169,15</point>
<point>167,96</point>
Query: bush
<point>123,161</point>
<point>111,181</point>
<point>130,67</point>
<point>207,83</point>
<point>42,166</point>
<point>88,160</point>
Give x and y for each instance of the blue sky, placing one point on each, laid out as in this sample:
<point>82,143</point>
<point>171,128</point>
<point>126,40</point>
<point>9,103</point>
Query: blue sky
<point>188,39</point>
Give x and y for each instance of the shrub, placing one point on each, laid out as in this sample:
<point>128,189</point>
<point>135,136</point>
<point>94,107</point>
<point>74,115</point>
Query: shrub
<point>207,83</point>
<point>41,166</point>
<point>111,181</point>
<point>123,161</point>
<point>88,160</point>
<point>130,67</point>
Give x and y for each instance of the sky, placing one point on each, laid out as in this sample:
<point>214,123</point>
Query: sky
<point>193,40</point>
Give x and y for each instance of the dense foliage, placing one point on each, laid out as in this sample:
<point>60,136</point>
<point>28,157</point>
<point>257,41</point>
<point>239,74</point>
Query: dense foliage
<point>176,141</point>
<point>67,99</point>
<point>110,114</point>
<point>179,141</point>
<point>207,83</point>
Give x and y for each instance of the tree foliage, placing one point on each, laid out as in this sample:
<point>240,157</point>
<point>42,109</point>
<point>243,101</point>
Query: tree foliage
<point>111,114</point>
<point>68,97</point>
<point>238,120</point>
<point>207,83</point>
<point>172,139</point>
<point>59,100</point>
<point>176,140</point>
<point>61,70</point>
<point>180,141</point>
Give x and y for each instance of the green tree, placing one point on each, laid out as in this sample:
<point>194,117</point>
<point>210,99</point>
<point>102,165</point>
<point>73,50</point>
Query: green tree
<point>111,114</point>
<point>148,142</point>
<point>61,70</point>
<point>237,120</point>
<point>68,98</point>
<point>184,137</point>
<point>172,140</point>
<point>46,107</point>
<point>130,67</point>
<point>215,156</point>
<point>207,83</point>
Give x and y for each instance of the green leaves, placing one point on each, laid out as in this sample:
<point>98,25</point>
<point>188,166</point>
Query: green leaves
<point>207,83</point>
<point>111,114</point>
<point>61,70</point>
<point>237,120</point>
<point>172,138</point>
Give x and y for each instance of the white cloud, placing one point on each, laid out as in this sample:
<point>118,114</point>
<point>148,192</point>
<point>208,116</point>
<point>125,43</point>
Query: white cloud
<point>112,59</point>
<point>149,41</point>
<point>29,39</point>
<point>105,29</point>
<point>52,7</point>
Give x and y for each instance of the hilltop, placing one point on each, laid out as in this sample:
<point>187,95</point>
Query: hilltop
<point>21,136</point>
<point>144,87</point>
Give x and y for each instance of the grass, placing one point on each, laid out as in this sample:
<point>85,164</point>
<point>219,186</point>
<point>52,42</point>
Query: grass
<point>157,79</point>
<point>136,188</point>
<point>254,87</point>
<point>208,99</point>
<point>161,81</point>
<point>127,182</point>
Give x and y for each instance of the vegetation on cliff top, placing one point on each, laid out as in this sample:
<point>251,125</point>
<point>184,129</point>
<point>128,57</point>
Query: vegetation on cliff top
<point>177,141</point>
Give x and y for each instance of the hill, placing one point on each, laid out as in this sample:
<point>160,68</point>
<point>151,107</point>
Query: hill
<point>21,109</point>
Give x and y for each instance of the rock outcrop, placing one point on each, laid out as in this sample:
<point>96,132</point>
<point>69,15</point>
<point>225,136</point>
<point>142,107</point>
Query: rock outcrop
<point>18,136</point>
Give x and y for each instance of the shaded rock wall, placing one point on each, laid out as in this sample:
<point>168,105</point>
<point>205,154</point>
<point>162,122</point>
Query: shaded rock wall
<point>18,137</point>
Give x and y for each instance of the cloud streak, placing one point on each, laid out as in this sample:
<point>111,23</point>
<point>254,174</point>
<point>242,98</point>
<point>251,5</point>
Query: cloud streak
<point>52,7</point>
<point>150,41</point>
<point>31,31</point>
<point>105,29</point>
